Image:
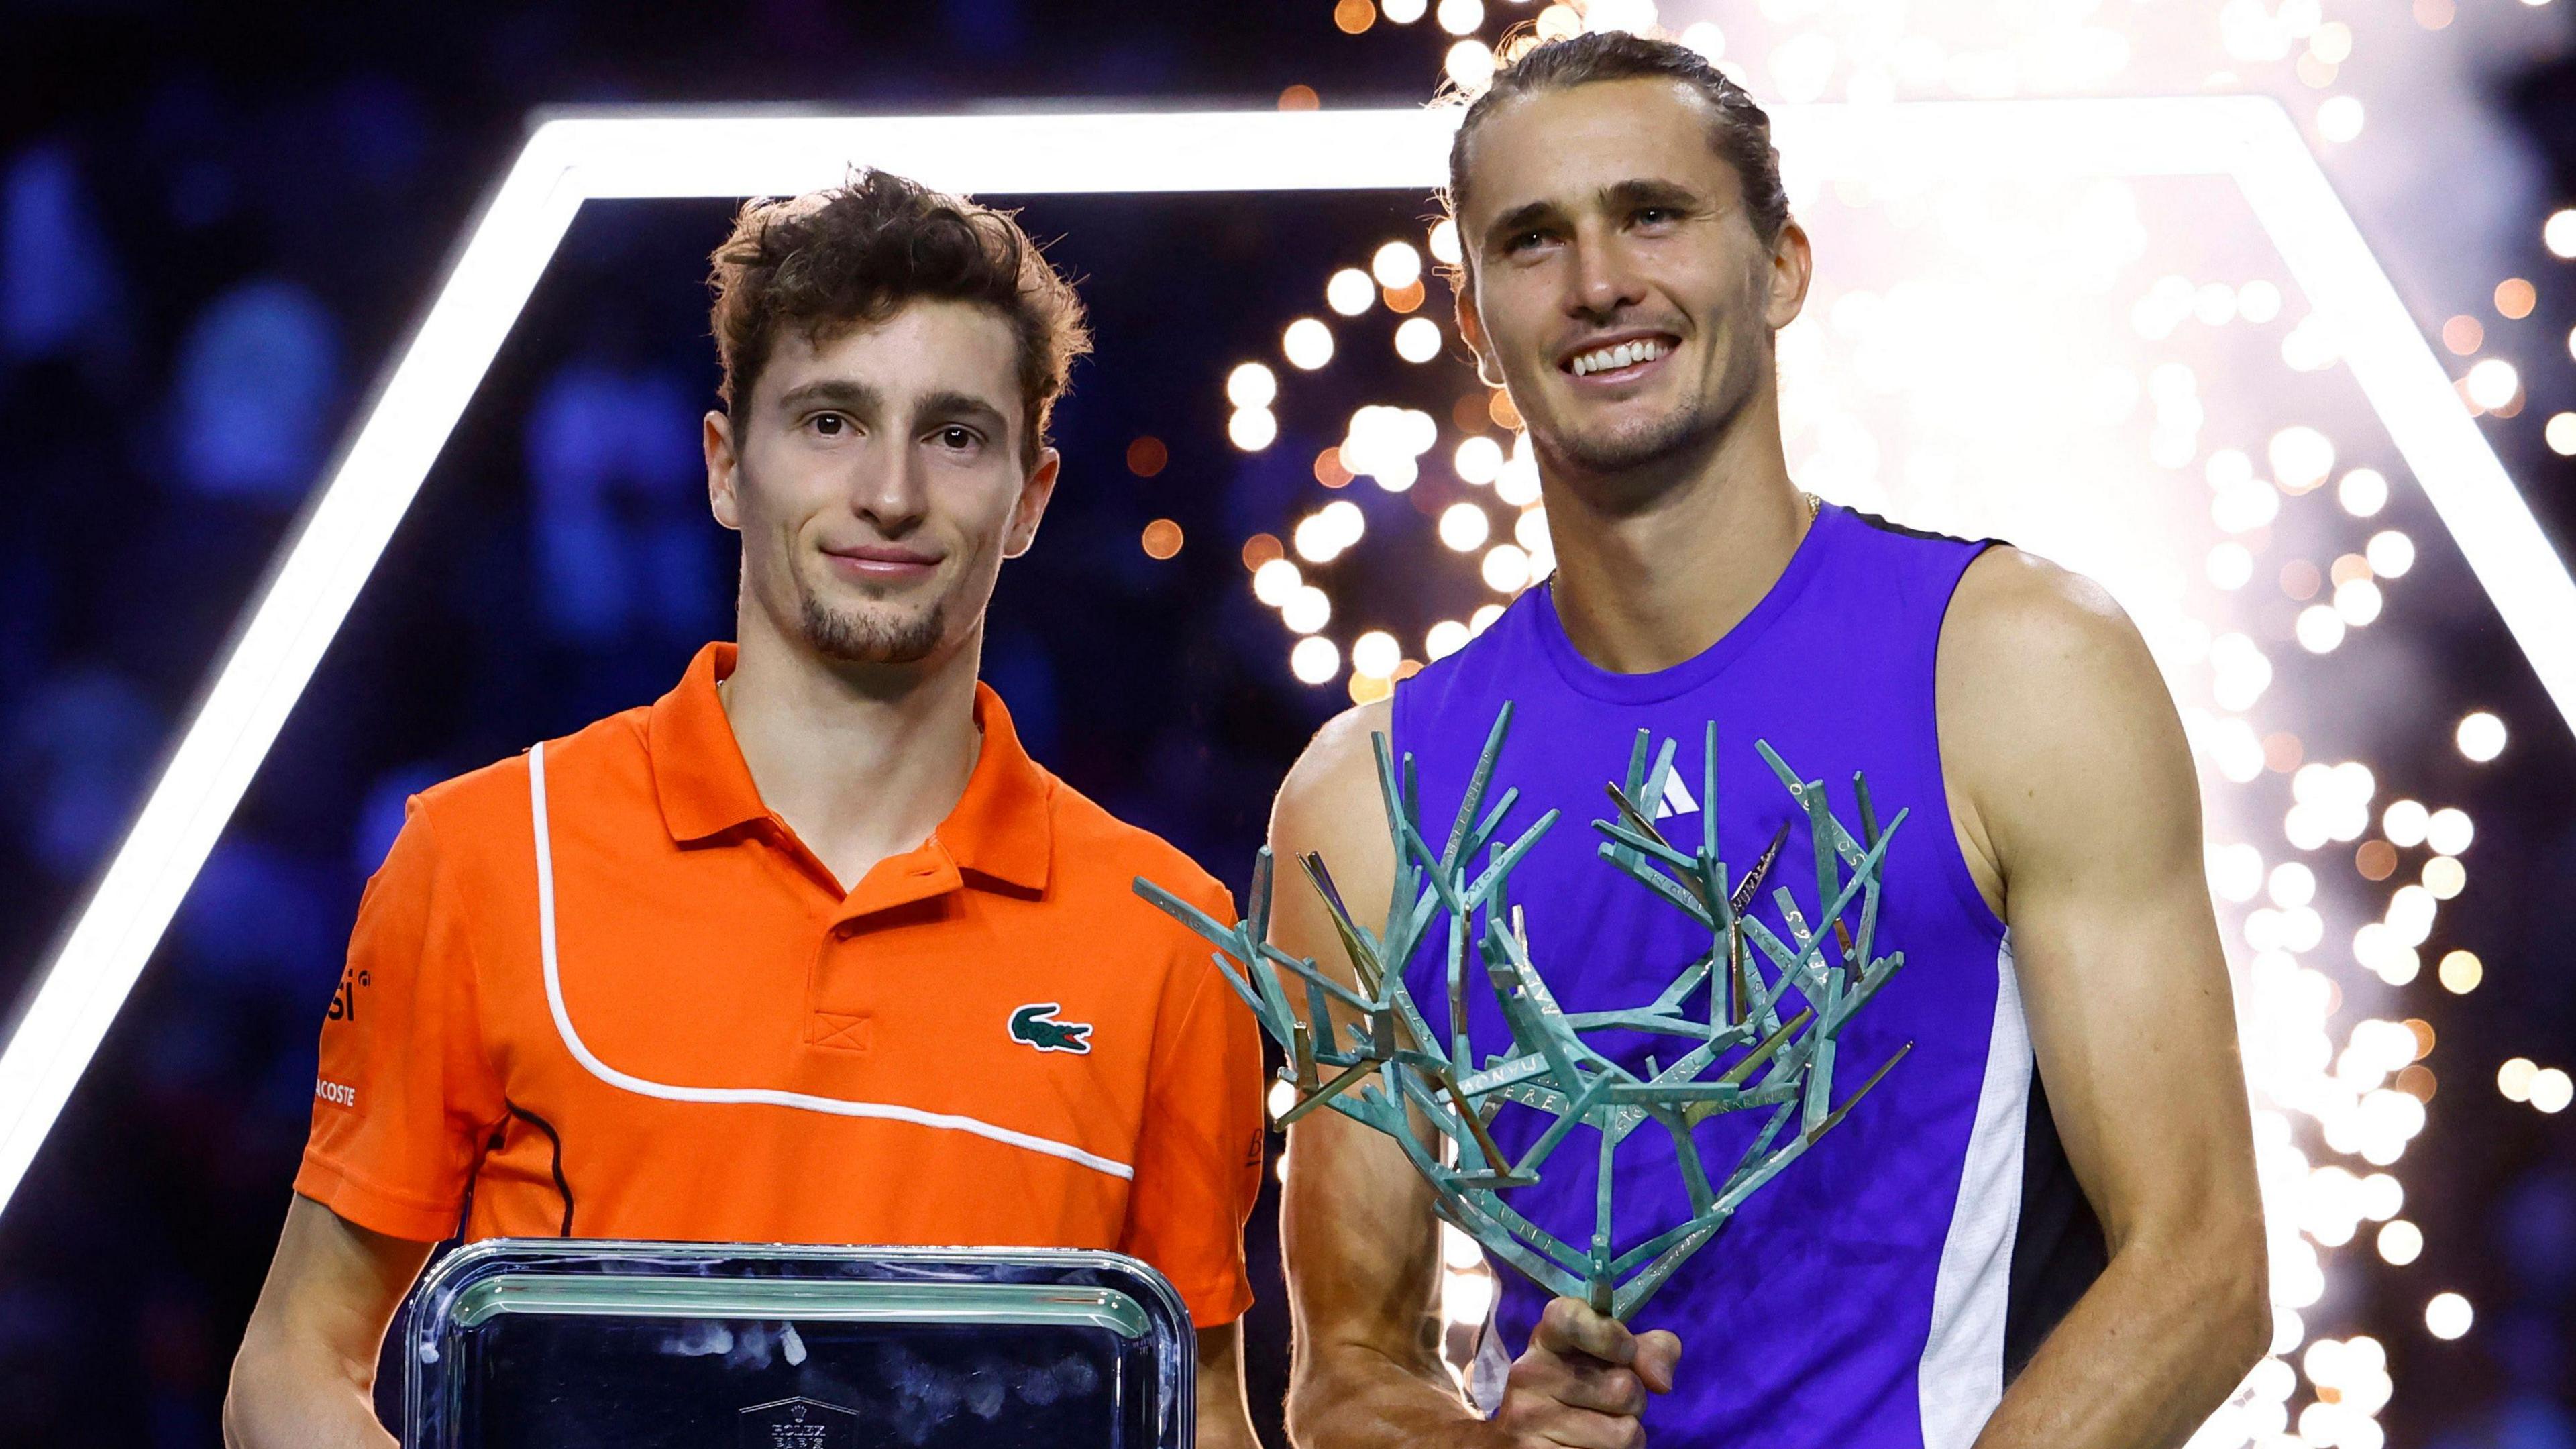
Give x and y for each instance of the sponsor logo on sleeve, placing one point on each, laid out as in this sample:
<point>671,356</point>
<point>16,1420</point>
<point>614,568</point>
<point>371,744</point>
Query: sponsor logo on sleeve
<point>339,1094</point>
<point>344,1001</point>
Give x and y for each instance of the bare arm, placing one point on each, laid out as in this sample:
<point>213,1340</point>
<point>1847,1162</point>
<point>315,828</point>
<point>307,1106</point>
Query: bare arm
<point>1358,1236</point>
<point>306,1374</point>
<point>1223,1422</point>
<point>2076,798</point>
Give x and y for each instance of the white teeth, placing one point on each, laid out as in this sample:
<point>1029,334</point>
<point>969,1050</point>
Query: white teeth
<point>1626,354</point>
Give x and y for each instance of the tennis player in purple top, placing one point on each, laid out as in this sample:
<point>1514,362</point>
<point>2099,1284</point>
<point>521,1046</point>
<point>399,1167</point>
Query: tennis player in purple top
<point>2042,1229</point>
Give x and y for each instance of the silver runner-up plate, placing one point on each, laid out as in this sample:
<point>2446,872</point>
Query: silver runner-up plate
<point>548,1343</point>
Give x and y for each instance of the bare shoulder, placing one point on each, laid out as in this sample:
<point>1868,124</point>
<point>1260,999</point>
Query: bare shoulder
<point>2029,647</point>
<point>1338,768</point>
<point>2053,713</point>
<point>2018,615</point>
<point>1330,803</point>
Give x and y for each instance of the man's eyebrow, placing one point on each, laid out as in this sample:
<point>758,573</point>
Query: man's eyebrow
<point>1649,191</point>
<point>1618,196</point>
<point>840,392</point>
<point>1520,217</point>
<point>953,404</point>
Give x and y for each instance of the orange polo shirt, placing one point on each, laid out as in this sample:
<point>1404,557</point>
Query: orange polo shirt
<point>684,1028</point>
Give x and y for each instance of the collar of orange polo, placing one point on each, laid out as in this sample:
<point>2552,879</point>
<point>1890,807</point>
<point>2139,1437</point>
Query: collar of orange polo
<point>999,829</point>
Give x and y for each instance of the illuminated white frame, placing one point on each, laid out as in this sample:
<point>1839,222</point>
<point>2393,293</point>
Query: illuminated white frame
<point>729,154</point>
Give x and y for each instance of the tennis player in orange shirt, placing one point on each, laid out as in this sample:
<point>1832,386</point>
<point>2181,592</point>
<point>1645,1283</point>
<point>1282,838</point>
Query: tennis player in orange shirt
<point>809,950</point>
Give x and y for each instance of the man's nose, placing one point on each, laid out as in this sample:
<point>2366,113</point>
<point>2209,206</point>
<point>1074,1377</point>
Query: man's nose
<point>891,491</point>
<point>1604,281</point>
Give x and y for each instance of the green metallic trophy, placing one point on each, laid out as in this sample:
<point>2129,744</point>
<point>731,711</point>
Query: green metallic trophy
<point>1747,1051</point>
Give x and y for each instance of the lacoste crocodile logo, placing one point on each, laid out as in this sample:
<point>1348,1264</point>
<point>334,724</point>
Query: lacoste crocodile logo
<point>1035,1024</point>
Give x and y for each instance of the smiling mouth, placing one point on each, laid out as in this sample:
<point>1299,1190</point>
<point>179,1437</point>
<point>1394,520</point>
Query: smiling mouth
<point>1620,360</point>
<point>881,564</point>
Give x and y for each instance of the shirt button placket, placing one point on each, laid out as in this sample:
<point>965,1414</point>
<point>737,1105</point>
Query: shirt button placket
<point>844,1001</point>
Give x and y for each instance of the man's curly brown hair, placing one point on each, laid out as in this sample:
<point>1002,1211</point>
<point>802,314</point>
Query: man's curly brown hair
<point>855,254</point>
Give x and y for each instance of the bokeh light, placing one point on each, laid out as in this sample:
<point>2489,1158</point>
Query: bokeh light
<point>1376,654</point>
<point>1350,292</point>
<point>1273,582</point>
<point>1307,611</point>
<point>1315,660</point>
<point>2448,1315</point>
<point>2480,736</point>
<point>2493,383</point>
<point>1252,429</point>
<point>2559,234</point>
<point>1470,63</point>
<point>1445,638</point>
<point>1147,456</point>
<point>1479,460</point>
<point>1442,240</point>
<point>1252,385</point>
<point>1464,527</point>
<point>1307,343</point>
<point>1396,266</point>
<point>2405,822</point>
<point>2363,492</point>
<point>2400,1243</point>
<point>2449,830</point>
<point>1417,339</point>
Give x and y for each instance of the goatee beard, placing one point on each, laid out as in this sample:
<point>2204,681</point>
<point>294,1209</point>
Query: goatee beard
<point>856,638</point>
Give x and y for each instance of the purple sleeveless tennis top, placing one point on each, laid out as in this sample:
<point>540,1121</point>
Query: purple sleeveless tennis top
<point>1882,1289</point>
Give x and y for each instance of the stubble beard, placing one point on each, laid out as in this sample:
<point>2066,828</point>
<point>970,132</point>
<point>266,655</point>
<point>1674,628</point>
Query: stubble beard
<point>1624,449</point>
<point>1693,426</point>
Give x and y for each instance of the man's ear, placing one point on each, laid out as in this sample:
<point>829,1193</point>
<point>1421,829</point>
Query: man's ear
<point>715,439</point>
<point>1032,503</point>
<point>1793,265</point>
<point>1471,330</point>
